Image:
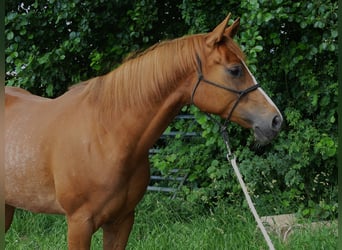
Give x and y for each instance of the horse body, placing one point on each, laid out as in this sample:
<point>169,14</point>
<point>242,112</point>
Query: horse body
<point>25,152</point>
<point>85,153</point>
<point>74,163</point>
<point>33,123</point>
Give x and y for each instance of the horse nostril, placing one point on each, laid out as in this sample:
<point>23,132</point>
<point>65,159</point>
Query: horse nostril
<point>276,123</point>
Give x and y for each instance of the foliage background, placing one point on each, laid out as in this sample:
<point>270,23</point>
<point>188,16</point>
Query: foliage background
<point>291,48</point>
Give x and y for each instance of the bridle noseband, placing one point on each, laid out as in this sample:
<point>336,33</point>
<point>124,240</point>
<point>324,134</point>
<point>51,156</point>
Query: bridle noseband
<point>240,93</point>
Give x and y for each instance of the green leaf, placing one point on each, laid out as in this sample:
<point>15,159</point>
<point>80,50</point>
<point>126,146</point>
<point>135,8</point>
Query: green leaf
<point>334,33</point>
<point>72,35</point>
<point>332,119</point>
<point>49,90</point>
<point>9,59</point>
<point>258,48</point>
<point>10,35</point>
<point>268,17</point>
<point>44,59</point>
<point>14,54</point>
<point>331,47</point>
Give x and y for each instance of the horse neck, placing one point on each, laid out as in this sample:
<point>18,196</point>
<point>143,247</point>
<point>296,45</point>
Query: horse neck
<point>147,79</point>
<point>138,129</point>
<point>141,97</point>
<point>152,124</point>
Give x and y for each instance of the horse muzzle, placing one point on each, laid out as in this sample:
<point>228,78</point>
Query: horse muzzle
<point>266,130</point>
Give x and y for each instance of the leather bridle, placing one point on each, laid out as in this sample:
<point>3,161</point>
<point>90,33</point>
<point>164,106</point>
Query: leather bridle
<point>240,93</point>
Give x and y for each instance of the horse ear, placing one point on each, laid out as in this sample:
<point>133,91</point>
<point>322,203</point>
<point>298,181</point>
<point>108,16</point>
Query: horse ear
<point>232,29</point>
<point>216,35</point>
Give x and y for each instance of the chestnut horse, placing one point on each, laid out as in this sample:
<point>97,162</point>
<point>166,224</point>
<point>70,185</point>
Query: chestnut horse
<point>85,153</point>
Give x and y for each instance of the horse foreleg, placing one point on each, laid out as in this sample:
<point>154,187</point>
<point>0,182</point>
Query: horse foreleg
<point>9,212</point>
<point>115,235</point>
<point>80,231</point>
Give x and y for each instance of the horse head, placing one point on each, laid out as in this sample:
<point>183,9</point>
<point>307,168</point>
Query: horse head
<point>226,87</point>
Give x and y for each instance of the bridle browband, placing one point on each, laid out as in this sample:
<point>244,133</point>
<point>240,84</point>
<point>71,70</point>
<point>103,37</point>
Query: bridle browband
<point>240,93</point>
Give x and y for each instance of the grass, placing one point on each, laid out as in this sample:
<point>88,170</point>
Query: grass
<point>162,223</point>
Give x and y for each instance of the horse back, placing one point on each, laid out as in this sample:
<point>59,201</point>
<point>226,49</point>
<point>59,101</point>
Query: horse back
<point>14,95</point>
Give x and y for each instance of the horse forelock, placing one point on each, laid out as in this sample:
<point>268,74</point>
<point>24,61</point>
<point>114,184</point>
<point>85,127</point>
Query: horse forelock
<point>233,48</point>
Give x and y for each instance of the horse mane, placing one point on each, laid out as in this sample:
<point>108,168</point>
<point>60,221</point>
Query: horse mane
<point>146,77</point>
<point>138,53</point>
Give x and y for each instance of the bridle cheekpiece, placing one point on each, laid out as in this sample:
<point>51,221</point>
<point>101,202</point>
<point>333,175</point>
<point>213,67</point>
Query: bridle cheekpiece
<point>240,93</point>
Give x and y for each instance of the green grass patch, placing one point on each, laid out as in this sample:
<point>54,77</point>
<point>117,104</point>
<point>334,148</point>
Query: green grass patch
<point>162,223</point>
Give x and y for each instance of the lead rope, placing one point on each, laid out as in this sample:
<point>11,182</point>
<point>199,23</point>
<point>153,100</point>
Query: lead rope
<point>232,159</point>
<point>230,156</point>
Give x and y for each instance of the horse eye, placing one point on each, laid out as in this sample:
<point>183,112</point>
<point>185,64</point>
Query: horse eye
<point>235,71</point>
